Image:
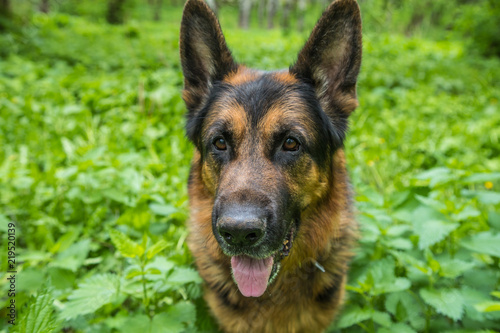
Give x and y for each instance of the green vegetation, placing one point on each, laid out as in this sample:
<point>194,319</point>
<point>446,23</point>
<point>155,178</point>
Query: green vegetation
<point>94,165</point>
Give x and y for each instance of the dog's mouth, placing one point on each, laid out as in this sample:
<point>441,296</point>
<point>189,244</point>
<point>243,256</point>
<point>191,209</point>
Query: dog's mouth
<point>253,275</point>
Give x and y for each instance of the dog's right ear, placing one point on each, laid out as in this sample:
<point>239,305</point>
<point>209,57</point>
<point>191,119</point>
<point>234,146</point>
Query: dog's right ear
<point>205,56</point>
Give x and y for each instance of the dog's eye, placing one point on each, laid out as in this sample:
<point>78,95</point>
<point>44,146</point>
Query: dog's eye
<point>220,144</point>
<point>291,144</point>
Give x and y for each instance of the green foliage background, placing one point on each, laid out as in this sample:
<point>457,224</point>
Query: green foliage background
<point>94,164</point>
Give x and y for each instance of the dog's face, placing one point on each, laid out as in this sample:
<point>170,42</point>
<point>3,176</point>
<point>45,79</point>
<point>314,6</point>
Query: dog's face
<point>265,140</point>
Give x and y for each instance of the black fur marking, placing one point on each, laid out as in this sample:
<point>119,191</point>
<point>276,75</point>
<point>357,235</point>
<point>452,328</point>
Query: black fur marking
<point>223,294</point>
<point>329,293</point>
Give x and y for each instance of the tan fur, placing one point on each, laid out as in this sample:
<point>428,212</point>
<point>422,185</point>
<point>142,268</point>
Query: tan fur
<point>328,230</point>
<point>302,298</point>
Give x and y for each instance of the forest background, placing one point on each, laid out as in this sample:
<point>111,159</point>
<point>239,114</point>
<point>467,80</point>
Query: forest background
<point>94,162</point>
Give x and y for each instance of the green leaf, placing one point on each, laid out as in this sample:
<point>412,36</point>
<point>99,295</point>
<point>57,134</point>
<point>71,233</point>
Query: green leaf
<point>494,219</point>
<point>38,316</point>
<point>126,246</point>
<point>448,302</point>
<point>488,306</point>
<point>397,328</point>
<point>453,268</point>
<point>381,273</point>
<point>466,213</point>
<point>430,202</point>
<point>136,323</point>
<point>382,318</point>
<point>400,244</point>
<point>486,197</point>
<point>73,257</point>
<point>162,209</point>
<point>183,276</point>
<point>353,315</point>
<point>481,178</point>
<point>436,176</point>
<point>433,231</point>
<point>484,242</point>
<point>156,248</point>
<point>175,318</point>
<point>96,291</point>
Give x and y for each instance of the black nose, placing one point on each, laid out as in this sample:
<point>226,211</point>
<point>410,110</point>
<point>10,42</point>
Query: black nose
<point>241,227</point>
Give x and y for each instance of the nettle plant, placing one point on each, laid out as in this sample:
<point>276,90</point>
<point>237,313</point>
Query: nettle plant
<point>429,257</point>
<point>148,277</point>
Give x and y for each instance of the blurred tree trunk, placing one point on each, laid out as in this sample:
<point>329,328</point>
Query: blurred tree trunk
<point>245,9</point>
<point>261,12</point>
<point>272,7</point>
<point>156,6</point>
<point>44,6</point>
<point>115,14</point>
<point>287,8</point>
<point>5,14</point>
<point>301,14</point>
<point>213,4</point>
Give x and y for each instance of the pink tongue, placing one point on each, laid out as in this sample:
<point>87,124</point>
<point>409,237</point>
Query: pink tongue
<point>251,275</point>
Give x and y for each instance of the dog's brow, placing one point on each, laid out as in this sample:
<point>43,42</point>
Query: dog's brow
<point>231,116</point>
<point>290,113</point>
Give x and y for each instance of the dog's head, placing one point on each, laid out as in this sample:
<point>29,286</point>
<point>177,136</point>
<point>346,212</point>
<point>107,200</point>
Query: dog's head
<point>266,139</point>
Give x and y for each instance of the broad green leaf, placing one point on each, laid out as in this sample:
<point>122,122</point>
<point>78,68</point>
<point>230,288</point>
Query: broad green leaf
<point>431,232</point>
<point>488,306</point>
<point>406,307</point>
<point>452,268</point>
<point>156,248</point>
<point>162,209</point>
<point>448,302</point>
<point>73,257</point>
<point>183,276</point>
<point>494,219</point>
<point>137,217</point>
<point>397,328</point>
<point>397,230</point>
<point>96,291</point>
<point>466,213</point>
<point>485,242</point>
<point>175,318</point>
<point>482,177</point>
<point>38,316</point>
<point>137,323</point>
<point>353,315</point>
<point>436,176</point>
<point>381,275</point>
<point>382,318</point>
<point>486,197</point>
<point>400,244</point>
<point>126,246</point>
<point>430,202</point>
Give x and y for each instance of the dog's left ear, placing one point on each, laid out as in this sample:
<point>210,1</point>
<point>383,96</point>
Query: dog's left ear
<point>331,58</point>
<point>205,56</point>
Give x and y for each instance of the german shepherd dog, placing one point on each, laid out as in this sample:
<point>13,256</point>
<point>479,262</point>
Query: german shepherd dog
<point>271,222</point>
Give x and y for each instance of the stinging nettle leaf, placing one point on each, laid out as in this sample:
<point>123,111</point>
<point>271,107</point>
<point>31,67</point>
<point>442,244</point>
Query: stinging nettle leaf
<point>156,248</point>
<point>126,246</point>
<point>38,316</point>
<point>485,242</point>
<point>95,292</point>
<point>352,315</point>
<point>448,302</point>
<point>431,232</point>
<point>162,210</point>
